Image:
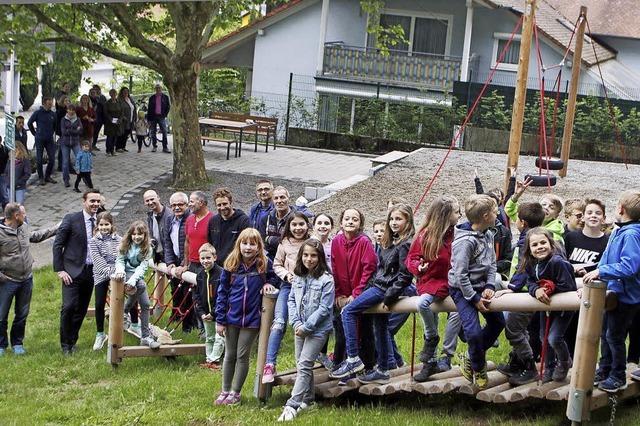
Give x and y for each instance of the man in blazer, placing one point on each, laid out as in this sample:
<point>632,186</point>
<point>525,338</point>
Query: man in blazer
<point>73,264</point>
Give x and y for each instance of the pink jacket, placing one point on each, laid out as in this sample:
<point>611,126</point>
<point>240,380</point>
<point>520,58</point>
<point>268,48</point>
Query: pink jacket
<point>284,261</point>
<point>353,263</point>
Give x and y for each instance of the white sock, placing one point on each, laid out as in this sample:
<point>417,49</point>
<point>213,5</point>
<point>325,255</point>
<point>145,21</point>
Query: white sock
<point>353,359</point>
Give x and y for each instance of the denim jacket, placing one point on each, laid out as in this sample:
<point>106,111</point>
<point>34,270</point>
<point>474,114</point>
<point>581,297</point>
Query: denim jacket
<point>311,304</point>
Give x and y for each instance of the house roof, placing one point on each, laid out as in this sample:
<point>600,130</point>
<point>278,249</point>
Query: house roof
<point>611,17</point>
<point>558,29</point>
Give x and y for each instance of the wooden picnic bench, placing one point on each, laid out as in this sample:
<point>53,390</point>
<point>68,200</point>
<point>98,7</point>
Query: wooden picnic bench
<point>238,127</point>
<point>267,126</point>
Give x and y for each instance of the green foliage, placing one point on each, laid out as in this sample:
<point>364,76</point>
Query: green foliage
<point>630,127</point>
<point>223,89</point>
<point>386,37</point>
<point>492,112</point>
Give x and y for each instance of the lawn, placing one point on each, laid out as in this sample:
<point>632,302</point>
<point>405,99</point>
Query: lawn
<point>46,388</point>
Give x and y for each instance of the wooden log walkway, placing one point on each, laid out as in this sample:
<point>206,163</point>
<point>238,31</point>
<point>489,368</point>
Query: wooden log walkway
<point>499,390</point>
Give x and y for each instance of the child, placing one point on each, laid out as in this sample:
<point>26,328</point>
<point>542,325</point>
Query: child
<point>619,267</point>
<point>23,172</point>
<point>498,195</point>
<point>585,246</point>
<point>310,314</point>
<point>547,272</point>
<point>204,298</point>
<point>378,233</point>
<point>551,204</point>
<point>104,250</point>
<point>429,259</point>
<point>322,226</point>
<point>131,264</point>
<point>389,282</point>
<point>472,284</point>
<point>573,212</point>
<point>296,232</point>
<point>247,274</point>
<point>353,262</point>
<point>84,165</point>
<point>142,129</point>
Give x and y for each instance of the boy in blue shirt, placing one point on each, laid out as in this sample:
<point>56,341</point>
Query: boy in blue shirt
<point>619,266</point>
<point>84,165</point>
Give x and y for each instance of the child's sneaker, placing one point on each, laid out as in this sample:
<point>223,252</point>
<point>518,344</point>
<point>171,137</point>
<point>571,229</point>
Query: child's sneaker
<point>19,350</point>
<point>635,375</point>
<point>465,367</point>
<point>428,369</point>
<point>376,376</point>
<point>612,385</point>
<point>345,380</point>
<point>561,371</point>
<point>135,328</point>
<point>444,364</point>
<point>513,367</point>
<point>325,361</point>
<point>288,414</point>
<point>232,399</point>
<point>150,342</point>
<point>221,398</point>
<point>268,373</point>
<point>480,378</point>
<point>346,368</point>
<point>304,406</point>
<point>601,376</point>
<point>527,374</point>
<point>101,339</point>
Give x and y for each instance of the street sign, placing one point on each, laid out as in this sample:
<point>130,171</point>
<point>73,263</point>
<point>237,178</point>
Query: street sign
<point>10,131</point>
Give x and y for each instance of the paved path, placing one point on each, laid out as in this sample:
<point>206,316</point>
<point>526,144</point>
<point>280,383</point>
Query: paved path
<point>117,175</point>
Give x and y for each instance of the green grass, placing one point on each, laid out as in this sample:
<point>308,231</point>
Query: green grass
<point>46,388</point>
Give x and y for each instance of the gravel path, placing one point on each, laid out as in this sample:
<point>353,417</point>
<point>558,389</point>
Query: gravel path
<point>409,177</point>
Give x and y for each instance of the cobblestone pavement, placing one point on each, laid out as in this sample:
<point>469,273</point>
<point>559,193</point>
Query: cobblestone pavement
<point>115,176</point>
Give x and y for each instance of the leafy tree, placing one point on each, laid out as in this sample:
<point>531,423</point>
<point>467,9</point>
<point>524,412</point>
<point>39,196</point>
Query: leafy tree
<point>492,112</point>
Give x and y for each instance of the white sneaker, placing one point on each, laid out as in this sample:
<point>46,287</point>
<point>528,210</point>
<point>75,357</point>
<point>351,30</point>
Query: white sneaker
<point>288,414</point>
<point>100,341</point>
<point>148,341</point>
<point>135,329</point>
<point>304,406</point>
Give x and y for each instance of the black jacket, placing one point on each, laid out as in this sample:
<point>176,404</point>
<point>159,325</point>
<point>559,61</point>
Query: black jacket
<point>204,295</point>
<point>503,247</point>
<point>169,254</point>
<point>556,269</point>
<point>224,233</point>
<point>162,227</point>
<point>70,245</point>
<point>165,106</point>
<point>392,274</point>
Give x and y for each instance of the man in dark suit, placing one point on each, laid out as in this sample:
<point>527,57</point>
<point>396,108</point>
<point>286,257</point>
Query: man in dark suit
<point>72,261</point>
<point>157,112</point>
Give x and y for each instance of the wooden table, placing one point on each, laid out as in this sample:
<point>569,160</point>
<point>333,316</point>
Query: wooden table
<point>240,127</point>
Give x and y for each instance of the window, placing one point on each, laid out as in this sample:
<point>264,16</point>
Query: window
<point>425,33</point>
<point>511,56</point>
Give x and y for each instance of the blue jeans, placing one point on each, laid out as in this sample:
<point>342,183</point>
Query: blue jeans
<point>279,325</point>
<point>66,158</point>
<point>558,349</point>
<point>370,297</point>
<point>479,339</point>
<point>21,292</point>
<point>4,190</point>
<point>20,193</point>
<point>396,321</point>
<point>613,354</point>
<point>50,146</point>
<point>162,123</point>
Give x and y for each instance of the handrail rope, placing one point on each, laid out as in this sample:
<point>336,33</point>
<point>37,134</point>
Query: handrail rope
<point>169,302</point>
<point>178,311</point>
<point>556,85</point>
<point>157,300</point>
<point>470,113</point>
<point>183,318</point>
<point>609,104</point>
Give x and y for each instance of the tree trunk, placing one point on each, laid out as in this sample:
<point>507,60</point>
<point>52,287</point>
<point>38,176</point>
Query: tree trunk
<point>188,160</point>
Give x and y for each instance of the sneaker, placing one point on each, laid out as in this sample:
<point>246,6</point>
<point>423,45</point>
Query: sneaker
<point>101,338</point>
<point>232,399</point>
<point>513,367</point>
<point>376,376</point>
<point>612,385</point>
<point>635,375</point>
<point>19,350</point>
<point>547,374</point>
<point>304,406</point>
<point>268,373</point>
<point>346,368</point>
<point>601,376</point>
<point>561,371</point>
<point>480,378</point>
<point>150,342</point>
<point>444,364</point>
<point>428,369</point>
<point>221,398</point>
<point>527,374</point>
<point>135,328</point>
<point>288,414</point>
<point>465,367</point>
<point>345,380</point>
<point>325,361</point>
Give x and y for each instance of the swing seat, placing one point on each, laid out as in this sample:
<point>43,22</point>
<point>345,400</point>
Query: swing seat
<point>550,164</point>
<point>541,180</point>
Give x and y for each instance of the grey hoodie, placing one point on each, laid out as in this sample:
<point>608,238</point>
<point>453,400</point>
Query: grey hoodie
<point>473,262</point>
<point>15,257</point>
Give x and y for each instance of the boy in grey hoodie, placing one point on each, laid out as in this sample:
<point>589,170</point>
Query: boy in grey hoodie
<point>472,284</point>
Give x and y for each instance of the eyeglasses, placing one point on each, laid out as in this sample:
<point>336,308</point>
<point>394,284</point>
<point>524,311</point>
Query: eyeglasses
<point>263,189</point>
<point>178,204</point>
<point>578,215</point>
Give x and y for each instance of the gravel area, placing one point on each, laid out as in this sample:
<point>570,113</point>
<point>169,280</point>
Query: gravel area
<point>242,187</point>
<point>409,177</point>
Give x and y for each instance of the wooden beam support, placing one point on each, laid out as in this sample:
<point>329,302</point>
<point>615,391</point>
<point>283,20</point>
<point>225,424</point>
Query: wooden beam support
<point>116,322</point>
<point>261,391</point>
<point>573,92</point>
<point>165,350</point>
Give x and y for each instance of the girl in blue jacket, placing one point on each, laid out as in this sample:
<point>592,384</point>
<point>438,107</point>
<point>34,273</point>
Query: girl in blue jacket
<point>246,275</point>
<point>310,315</point>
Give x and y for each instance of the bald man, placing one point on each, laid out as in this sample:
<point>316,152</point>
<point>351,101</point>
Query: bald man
<point>157,218</point>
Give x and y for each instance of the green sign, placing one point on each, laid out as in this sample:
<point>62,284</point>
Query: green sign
<point>10,131</point>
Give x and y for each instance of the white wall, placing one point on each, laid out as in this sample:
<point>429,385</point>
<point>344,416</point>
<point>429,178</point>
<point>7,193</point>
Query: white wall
<point>628,51</point>
<point>101,73</point>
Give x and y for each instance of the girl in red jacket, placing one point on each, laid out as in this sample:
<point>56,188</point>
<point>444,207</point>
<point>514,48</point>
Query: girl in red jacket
<point>353,263</point>
<point>429,259</point>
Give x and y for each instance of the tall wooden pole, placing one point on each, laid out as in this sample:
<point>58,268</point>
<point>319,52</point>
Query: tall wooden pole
<point>573,92</point>
<point>520,98</point>
<point>261,391</point>
<point>116,322</point>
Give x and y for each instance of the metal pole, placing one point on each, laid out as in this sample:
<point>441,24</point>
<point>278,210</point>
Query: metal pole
<point>8,110</point>
<point>286,125</point>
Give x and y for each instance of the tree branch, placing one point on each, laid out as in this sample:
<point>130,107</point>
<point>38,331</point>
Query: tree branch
<point>72,38</point>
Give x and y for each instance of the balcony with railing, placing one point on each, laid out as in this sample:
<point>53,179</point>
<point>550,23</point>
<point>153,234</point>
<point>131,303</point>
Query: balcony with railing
<point>365,64</point>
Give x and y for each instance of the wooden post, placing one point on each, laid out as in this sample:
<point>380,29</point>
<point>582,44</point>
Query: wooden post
<point>116,322</point>
<point>573,92</point>
<point>263,392</point>
<point>520,98</point>
<point>160,288</point>
<point>586,351</point>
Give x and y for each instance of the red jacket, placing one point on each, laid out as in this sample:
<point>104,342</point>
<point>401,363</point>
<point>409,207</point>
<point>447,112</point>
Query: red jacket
<point>434,279</point>
<point>353,263</point>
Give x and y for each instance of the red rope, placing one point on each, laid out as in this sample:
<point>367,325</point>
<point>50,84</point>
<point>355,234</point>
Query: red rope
<point>413,345</point>
<point>543,125</point>
<point>545,343</point>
